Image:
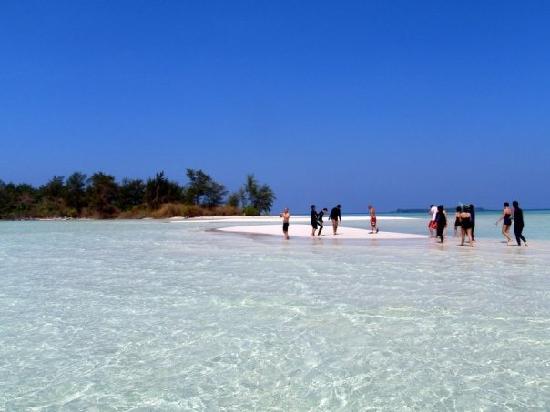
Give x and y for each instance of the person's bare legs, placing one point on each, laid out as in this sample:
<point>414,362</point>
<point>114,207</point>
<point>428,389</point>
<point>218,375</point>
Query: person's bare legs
<point>505,232</point>
<point>469,232</point>
<point>334,226</point>
<point>463,235</point>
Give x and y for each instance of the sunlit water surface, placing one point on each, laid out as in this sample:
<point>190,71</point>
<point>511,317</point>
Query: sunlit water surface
<point>130,315</point>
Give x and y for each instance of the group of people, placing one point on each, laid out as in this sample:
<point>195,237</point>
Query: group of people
<point>464,219</point>
<point>515,214</point>
<point>317,220</point>
<point>464,224</point>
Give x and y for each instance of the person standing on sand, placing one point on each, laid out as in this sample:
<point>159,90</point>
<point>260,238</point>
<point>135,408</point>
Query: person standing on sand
<point>519,224</point>
<point>336,218</point>
<point>432,225</point>
<point>373,225</point>
<point>320,219</point>
<point>286,222</point>
<point>314,220</point>
<point>441,221</point>
<point>506,222</point>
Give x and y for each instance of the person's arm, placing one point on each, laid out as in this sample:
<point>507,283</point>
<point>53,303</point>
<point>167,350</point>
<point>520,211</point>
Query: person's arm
<point>340,215</point>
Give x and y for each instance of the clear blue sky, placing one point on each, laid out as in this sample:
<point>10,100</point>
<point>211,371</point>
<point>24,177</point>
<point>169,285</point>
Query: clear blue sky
<point>395,103</point>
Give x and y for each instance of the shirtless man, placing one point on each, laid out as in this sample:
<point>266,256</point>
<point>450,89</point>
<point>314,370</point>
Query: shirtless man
<point>373,225</point>
<point>286,221</point>
<point>336,218</point>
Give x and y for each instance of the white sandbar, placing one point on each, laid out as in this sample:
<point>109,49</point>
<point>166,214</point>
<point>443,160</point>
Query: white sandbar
<point>344,232</point>
<point>270,219</point>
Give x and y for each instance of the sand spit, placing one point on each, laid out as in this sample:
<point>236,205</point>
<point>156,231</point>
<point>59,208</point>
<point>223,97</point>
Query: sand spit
<point>344,232</point>
<point>277,219</point>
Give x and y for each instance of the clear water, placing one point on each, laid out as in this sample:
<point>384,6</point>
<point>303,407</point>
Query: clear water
<point>147,315</point>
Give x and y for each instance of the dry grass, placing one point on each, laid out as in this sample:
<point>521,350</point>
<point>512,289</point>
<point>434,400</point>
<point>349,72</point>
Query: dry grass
<point>168,210</point>
<point>137,212</point>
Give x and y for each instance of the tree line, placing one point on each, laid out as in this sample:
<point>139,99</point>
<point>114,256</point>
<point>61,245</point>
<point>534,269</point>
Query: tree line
<point>101,196</point>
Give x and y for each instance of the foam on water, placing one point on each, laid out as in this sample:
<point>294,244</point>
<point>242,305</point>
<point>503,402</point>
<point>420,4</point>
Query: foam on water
<point>129,315</point>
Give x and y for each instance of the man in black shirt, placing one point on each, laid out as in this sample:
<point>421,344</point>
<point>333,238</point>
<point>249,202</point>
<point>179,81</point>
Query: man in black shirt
<point>336,217</point>
<point>519,224</point>
<point>314,220</point>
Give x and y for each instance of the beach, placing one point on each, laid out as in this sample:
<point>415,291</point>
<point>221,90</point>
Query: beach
<point>170,315</point>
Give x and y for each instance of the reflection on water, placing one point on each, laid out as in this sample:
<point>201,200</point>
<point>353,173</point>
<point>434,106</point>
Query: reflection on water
<point>116,315</point>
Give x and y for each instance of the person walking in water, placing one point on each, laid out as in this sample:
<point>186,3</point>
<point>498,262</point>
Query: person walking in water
<point>441,221</point>
<point>457,219</point>
<point>373,225</point>
<point>466,222</point>
<point>506,222</point>
<point>314,220</point>
<point>519,224</point>
<point>473,214</point>
<point>336,217</point>
<point>432,225</point>
<point>320,220</point>
<point>286,222</point>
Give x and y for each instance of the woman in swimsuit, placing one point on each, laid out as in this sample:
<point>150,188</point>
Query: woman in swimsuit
<point>466,221</point>
<point>506,222</point>
<point>457,219</point>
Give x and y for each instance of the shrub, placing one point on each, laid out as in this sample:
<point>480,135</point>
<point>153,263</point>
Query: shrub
<point>192,211</point>
<point>168,210</point>
<point>251,211</point>
<point>136,212</point>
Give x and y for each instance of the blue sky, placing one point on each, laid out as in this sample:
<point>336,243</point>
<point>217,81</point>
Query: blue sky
<point>399,104</point>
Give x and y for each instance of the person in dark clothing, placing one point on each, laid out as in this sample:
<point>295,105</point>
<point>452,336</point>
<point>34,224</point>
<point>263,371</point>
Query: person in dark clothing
<point>314,220</point>
<point>473,220</point>
<point>457,219</point>
<point>466,222</point>
<point>519,224</point>
<point>441,221</point>
<point>506,222</point>
<point>320,220</point>
<point>336,217</point>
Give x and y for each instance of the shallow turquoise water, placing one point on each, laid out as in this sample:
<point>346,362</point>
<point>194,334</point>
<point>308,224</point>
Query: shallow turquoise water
<point>145,314</point>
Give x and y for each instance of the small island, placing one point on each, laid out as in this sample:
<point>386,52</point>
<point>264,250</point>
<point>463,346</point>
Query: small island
<point>100,196</point>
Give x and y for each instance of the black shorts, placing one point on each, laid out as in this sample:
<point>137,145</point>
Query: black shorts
<point>314,225</point>
<point>285,227</point>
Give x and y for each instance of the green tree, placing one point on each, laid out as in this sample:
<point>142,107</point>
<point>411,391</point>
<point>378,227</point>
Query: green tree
<point>159,190</point>
<point>102,194</point>
<point>131,193</point>
<point>203,190</point>
<point>75,192</point>
<point>54,189</point>
<point>259,197</point>
<point>234,199</point>
<point>264,199</point>
<point>51,198</point>
<point>17,201</point>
